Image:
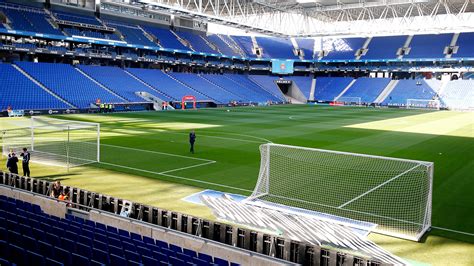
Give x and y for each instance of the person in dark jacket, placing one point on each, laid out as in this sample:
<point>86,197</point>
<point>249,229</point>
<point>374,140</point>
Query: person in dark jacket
<point>192,139</point>
<point>12,163</point>
<point>26,162</point>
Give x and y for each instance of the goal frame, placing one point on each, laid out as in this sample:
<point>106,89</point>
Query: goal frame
<point>97,125</point>
<point>436,107</point>
<point>264,182</point>
<point>350,100</point>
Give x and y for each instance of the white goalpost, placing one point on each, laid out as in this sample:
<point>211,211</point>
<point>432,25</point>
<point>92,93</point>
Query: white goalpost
<point>65,143</point>
<point>350,100</point>
<point>423,104</point>
<point>395,194</point>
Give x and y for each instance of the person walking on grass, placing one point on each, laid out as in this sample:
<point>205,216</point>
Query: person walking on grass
<point>192,139</point>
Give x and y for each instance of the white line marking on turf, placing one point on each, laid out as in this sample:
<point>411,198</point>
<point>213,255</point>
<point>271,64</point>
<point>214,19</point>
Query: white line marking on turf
<point>187,167</point>
<point>454,231</point>
<point>158,152</point>
<point>174,176</point>
<point>376,187</point>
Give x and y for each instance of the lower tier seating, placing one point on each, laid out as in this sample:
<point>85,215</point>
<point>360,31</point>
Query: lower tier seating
<point>28,236</point>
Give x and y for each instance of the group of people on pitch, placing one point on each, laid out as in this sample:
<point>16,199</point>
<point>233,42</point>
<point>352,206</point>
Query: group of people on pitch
<point>12,162</point>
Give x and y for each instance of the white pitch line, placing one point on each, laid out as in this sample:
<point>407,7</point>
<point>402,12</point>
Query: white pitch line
<point>174,176</point>
<point>377,187</point>
<point>451,230</point>
<point>158,152</point>
<point>187,167</point>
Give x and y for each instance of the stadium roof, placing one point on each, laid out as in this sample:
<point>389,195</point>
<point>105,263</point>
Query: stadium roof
<point>324,17</point>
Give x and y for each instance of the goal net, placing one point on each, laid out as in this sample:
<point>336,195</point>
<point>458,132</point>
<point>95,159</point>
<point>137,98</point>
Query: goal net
<point>423,104</point>
<point>350,100</point>
<point>55,142</point>
<point>393,193</point>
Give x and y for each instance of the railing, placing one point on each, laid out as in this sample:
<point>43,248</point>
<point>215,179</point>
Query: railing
<point>252,240</point>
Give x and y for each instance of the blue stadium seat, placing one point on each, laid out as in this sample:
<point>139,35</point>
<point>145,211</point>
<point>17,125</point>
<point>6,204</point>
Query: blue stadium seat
<point>117,260</point>
<point>245,42</point>
<point>223,47</point>
<point>276,47</point>
<point>166,38</point>
<point>62,255</point>
<point>197,42</point>
<point>177,262</point>
<point>429,46</point>
<point>221,262</point>
<point>367,89</point>
<point>307,45</point>
<point>78,260</point>
<point>329,88</point>
<point>385,47</point>
<point>35,258</point>
<point>205,257</point>
<point>342,48</point>
<point>52,262</point>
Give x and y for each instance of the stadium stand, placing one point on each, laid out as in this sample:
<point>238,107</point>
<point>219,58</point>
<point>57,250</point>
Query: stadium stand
<point>245,42</point>
<point>307,45</point>
<point>117,80</point>
<point>165,84</point>
<point>384,47</point>
<point>261,92</point>
<point>412,89</point>
<point>29,19</point>
<point>328,88</point>
<point>276,47</point>
<point>267,82</point>
<point>223,47</point>
<point>59,77</point>
<point>166,38</point>
<point>131,33</point>
<point>458,95</point>
<point>303,83</point>
<point>464,42</point>
<point>367,89</point>
<point>429,46</point>
<point>82,19</point>
<point>342,48</point>
<point>29,236</point>
<point>19,92</point>
<point>197,42</point>
<point>205,87</point>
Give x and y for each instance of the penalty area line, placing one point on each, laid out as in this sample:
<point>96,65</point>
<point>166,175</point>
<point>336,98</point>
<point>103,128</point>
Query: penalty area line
<point>164,173</point>
<point>157,152</point>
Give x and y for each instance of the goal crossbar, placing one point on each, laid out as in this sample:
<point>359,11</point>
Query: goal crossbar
<point>393,193</point>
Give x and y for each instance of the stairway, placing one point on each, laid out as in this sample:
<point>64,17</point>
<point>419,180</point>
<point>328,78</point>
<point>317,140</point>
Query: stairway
<point>42,86</point>
<point>386,92</point>
<point>100,85</point>
<point>345,89</point>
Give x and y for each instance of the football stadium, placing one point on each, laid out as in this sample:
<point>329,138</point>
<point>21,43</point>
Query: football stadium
<point>237,132</point>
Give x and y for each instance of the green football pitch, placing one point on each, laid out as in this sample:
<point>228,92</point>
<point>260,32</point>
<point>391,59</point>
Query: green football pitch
<point>145,157</point>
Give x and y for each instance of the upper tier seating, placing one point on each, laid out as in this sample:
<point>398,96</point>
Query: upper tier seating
<point>132,34</point>
<point>328,88</point>
<point>303,83</point>
<point>276,47</point>
<point>117,80</point>
<point>198,44</point>
<point>68,83</point>
<point>165,84</point>
<point>19,92</point>
<point>429,45</point>
<point>166,38</point>
<point>367,89</point>
<point>412,89</point>
<point>342,49</point>
<point>307,45</point>
<point>205,87</point>
<point>245,42</point>
<point>30,19</point>
<point>83,19</point>
<point>28,236</point>
<point>458,95</point>
<point>267,82</point>
<point>384,47</point>
<point>465,44</point>
<point>261,93</point>
<point>223,47</point>
<point>91,34</point>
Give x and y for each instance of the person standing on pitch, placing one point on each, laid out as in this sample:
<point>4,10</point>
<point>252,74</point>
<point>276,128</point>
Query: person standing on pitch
<point>26,162</point>
<point>192,139</point>
<point>12,163</point>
